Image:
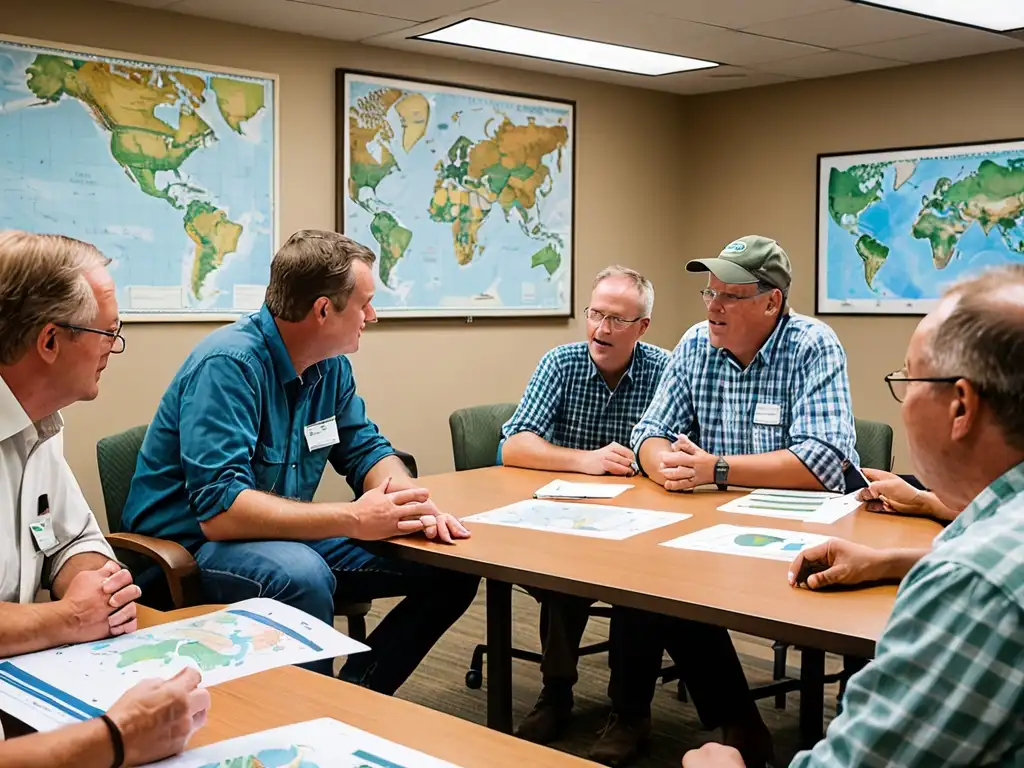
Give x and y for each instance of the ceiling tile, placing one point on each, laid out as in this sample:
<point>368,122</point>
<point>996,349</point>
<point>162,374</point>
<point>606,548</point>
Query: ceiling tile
<point>414,10</point>
<point>740,48</point>
<point>826,65</point>
<point>849,26</point>
<point>289,16</point>
<point>949,44</point>
<point>735,14</point>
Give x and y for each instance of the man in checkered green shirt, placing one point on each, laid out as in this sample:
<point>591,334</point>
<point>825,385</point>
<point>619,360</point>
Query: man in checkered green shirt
<point>946,687</point>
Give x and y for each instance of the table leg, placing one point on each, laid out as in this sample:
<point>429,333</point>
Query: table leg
<point>499,656</point>
<point>812,696</point>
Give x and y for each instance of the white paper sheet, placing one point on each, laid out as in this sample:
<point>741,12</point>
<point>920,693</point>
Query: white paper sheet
<point>563,489</point>
<point>595,520</point>
<point>770,543</point>
<point>809,506</point>
<point>323,743</point>
<point>65,685</point>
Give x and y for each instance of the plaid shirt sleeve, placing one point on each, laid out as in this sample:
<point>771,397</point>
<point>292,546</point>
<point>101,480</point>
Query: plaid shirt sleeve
<point>946,687</point>
<point>821,432</point>
<point>541,401</point>
<point>671,410</point>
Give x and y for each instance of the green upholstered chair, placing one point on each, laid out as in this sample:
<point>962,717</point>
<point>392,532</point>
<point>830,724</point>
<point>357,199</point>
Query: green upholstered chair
<point>180,587</point>
<point>874,444</point>
<point>476,433</point>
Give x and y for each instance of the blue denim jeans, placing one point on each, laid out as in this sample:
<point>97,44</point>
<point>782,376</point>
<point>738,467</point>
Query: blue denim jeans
<point>311,576</point>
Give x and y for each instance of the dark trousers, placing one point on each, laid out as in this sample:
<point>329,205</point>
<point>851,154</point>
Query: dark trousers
<point>704,655</point>
<point>563,619</point>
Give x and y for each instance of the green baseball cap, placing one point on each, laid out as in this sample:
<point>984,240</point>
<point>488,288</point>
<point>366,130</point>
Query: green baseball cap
<point>750,259</point>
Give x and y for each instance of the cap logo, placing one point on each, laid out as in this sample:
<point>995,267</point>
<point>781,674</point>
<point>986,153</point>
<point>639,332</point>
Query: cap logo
<point>736,246</point>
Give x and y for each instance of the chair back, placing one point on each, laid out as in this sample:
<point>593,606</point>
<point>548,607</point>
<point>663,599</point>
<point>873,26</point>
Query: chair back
<point>116,456</point>
<point>476,433</point>
<point>874,444</point>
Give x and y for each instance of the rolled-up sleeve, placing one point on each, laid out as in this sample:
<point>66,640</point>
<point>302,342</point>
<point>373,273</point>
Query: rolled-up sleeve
<point>821,432</point>
<point>360,443</point>
<point>671,410</point>
<point>220,415</point>
<point>542,400</point>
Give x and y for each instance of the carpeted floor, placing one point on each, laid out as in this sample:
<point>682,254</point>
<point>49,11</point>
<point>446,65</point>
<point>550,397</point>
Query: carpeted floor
<point>439,683</point>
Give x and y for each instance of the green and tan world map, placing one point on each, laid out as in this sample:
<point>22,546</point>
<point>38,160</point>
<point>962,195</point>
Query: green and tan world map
<point>465,197</point>
<point>168,170</point>
<point>900,228</point>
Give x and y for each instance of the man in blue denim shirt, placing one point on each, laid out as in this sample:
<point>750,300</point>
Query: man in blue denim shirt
<point>241,439</point>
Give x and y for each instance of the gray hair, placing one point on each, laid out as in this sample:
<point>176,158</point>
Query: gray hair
<point>42,280</point>
<point>313,263</point>
<point>643,286</point>
<point>983,342</point>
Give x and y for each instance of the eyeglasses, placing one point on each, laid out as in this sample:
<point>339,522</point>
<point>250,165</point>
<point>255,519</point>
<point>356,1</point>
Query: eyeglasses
<point>727,299</point>
<point>898,382</point>
<point>117,342</point>
<point>617,323</point>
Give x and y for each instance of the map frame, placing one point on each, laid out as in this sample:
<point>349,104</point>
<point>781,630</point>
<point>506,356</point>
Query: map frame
<point>129,59</point>
<point>467,313</point>
<point>881,307</point>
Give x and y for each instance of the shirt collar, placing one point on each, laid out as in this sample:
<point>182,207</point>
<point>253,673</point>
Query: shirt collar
<point>282,361</point>
<point>987,503</point>
<point>633,363</point>
<point>13,418</point>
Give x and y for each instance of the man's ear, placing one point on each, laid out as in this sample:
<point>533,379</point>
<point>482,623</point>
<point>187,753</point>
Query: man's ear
<point>320,308</point>
<point>964,409</point>
<point>48,343</point>
<point>645,323</point>
<point>774,302</point>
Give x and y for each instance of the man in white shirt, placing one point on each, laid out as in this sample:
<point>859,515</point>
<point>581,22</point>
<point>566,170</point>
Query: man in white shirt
<point>58,326</point>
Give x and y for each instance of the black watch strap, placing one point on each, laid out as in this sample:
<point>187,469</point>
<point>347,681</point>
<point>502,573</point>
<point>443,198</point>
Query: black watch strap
<point>722,473</point>
<point>116,740</point>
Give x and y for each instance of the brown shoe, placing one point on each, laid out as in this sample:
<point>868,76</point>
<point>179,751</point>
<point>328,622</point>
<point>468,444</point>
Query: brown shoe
<point>546,722</point>
<point>752,739</point>
<point>622,740</point>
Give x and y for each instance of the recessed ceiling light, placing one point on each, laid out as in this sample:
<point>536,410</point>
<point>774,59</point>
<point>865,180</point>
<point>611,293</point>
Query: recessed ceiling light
<point>489,36</point>
<point>993,15</point>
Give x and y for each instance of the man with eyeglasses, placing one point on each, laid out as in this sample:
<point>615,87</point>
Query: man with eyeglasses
<point>946,686</point>
<point>58,328</point>
<point>240,442</point>
<point>576,415</point>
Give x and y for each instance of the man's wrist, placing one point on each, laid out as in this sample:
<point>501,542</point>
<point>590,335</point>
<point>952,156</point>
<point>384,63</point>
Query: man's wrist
<point>707,470</point>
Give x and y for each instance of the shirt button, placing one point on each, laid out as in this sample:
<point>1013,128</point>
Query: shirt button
<point>294,466</point>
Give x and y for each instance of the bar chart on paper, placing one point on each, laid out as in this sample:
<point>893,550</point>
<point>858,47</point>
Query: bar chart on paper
<point>809,506</point>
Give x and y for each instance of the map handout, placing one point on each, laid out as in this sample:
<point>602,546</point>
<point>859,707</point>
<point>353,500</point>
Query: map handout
<point>809,506</point>
<point>51,688</point>
<point>563,489</point>
<point>594,520</point>
<point>323,743</point>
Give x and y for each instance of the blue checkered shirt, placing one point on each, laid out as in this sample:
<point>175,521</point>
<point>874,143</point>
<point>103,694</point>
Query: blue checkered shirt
<point>569,404</point>
<point>801,368</point>
<point>946,687</point>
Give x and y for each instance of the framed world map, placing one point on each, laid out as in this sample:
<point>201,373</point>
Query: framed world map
<point>465,195</point>
<point>896,227</point>
<point>169,169</point>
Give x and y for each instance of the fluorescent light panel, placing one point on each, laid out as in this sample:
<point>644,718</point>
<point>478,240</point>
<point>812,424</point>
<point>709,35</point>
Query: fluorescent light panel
<point>489,36</point>
<point>995,15</point>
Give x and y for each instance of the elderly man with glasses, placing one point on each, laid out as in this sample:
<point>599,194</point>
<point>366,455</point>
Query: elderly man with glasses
<point>576,416</point>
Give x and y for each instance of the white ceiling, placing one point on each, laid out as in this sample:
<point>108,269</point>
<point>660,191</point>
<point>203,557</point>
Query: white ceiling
<point>759,42</point>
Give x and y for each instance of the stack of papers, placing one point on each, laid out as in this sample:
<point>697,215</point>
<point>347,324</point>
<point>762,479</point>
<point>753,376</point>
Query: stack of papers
<point>808,506</point>
<point>563,489</point>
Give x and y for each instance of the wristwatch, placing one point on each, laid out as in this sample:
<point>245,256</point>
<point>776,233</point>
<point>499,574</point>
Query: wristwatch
<point>722,473</point>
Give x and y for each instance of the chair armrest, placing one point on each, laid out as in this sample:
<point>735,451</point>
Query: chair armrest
<point>178,566</point>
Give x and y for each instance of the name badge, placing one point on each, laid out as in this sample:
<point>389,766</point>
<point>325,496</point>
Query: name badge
<point>42,532</point>
<point>322,434</point>
<point>767,413</point>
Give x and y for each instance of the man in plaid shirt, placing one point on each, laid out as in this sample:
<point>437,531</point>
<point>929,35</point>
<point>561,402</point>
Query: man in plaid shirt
<point>946,687</point>
<point>576,416</point>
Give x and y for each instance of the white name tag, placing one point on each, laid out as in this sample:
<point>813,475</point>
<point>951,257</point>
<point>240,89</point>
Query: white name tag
<point>767,413</point>
<point>42,532</point>
<point>322,434</point>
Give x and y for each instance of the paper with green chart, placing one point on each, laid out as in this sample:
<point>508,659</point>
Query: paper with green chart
<point>769,543</point>
<point>808,506</point>
<point>323,743</point>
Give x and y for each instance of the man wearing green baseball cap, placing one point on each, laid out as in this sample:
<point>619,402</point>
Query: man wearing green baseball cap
<point>755,396</point>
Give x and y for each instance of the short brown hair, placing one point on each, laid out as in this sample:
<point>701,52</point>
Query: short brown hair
<point>42,280</point>
<point>313,263</point>
<point>984,343</point>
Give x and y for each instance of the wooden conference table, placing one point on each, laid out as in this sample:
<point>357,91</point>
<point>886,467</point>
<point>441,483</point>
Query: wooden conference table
<point>746,594</point>
<point>292,695</point>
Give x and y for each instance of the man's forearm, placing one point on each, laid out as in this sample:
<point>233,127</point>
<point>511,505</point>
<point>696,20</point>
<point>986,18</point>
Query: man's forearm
<point>531,451</point>
<point>649,457</point>
<point>83,745</point>
<point>938,510</point>
<point>83,561</point>
<point>894,564</point>
<point>778,469</point>
<point>32,627</point>
<point>258,515</point>
<point>390,466</point>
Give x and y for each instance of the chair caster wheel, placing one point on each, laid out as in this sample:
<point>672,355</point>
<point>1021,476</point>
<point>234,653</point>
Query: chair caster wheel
<point>474,679</point>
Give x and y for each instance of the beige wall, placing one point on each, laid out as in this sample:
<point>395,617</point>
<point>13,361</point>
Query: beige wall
<point>754,165</point>
<point>412,375</point>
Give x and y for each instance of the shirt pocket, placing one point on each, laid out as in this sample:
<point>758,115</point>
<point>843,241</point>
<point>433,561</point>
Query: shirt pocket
<point>267,465</point>
<point>768,438</point>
